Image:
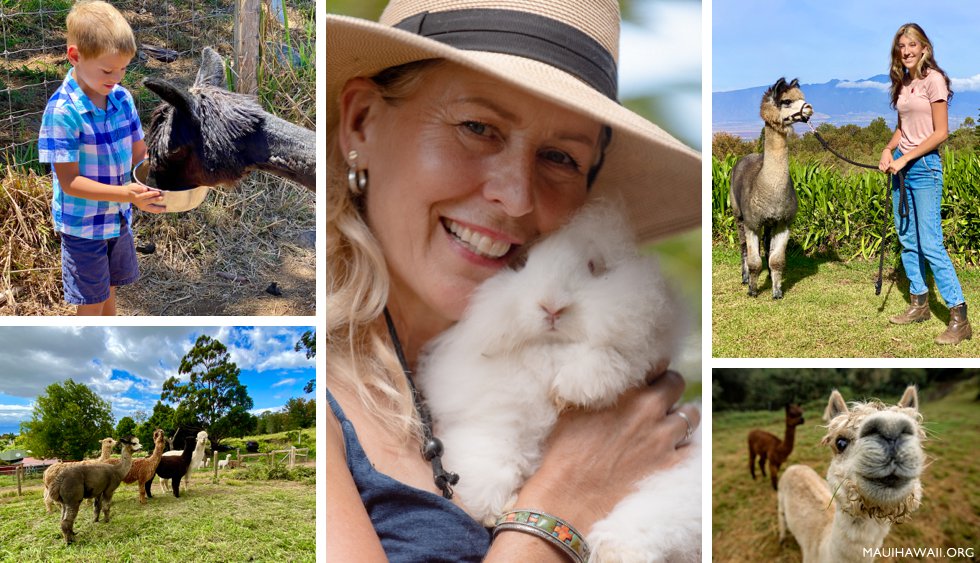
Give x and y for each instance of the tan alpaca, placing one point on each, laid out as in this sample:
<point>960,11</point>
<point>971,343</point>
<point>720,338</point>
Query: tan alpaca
<point>761,193</point>
<point>52,471</point>
<point>145,468</point>
<point>873,479</point>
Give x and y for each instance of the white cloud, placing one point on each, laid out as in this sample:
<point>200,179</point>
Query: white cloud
<point>10,414</point>
<point>971,84</point>
<point>287,381</point>
<point>865,85</point>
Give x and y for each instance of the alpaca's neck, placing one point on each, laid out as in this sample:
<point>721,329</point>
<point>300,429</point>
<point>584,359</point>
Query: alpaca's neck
<point>106,454</point>
<point>292,151</point>
<point>775,156</point>
<point>125,462</point>
<point>850,536</point>
<point>786,446</point>
<point>157,451</point>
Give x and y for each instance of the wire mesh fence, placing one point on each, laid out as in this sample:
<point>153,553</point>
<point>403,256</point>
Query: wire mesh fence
<point>169,35</point>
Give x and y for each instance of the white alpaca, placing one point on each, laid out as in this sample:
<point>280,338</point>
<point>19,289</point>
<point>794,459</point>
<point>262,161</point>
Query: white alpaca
<point>873,481</point>
<point>197,461</point>
<point>586,319</point>
<point>224,462</point>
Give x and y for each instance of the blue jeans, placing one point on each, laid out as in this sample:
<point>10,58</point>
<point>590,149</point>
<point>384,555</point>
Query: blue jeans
<point>921,233</point>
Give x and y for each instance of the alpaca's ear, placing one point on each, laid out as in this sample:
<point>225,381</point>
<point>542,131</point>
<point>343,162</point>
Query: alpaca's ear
<point>779,86</point>
<point>836,406</point>
<point>177,97</point>
<point>212,71</point>
<point>910,400</point>
<point>795,83</point>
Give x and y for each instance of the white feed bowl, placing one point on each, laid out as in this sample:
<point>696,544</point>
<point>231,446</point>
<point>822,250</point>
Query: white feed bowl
<point>174,200</point>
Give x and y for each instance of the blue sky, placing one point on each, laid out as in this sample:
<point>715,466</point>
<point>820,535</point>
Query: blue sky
<point>128,365</point>
<point>754,42</point>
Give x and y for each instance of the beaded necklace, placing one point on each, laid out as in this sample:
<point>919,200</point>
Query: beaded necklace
<point>432,448</point>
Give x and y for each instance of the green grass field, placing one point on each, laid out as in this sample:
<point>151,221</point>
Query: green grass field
<point>234,520</point>
<point>744,526</point>
<point>829,310</point>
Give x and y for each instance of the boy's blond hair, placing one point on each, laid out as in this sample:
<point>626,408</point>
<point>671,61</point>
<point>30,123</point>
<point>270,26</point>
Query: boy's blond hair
<point>96,28</point>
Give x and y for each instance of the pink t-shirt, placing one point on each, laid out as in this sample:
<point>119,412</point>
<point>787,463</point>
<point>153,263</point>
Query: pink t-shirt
<point>915,108</point>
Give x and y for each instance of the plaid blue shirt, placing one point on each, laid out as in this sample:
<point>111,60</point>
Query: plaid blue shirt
<point>101,141</point>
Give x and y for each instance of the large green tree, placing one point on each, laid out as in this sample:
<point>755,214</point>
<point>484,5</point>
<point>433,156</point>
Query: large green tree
<point>68,421</point>
<point>212,391</point>
<point>126,427</point>
<point>300,413</point>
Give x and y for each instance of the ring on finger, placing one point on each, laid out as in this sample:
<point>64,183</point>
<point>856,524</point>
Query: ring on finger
<point>690,427</point>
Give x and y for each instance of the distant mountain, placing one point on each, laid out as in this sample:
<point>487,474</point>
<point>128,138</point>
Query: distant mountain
<point>838,102</point>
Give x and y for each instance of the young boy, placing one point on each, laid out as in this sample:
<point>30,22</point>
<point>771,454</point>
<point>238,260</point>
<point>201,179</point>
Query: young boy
<point>91,134</point>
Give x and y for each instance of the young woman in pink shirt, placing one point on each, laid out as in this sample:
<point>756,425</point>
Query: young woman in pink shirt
<point>920,92</point>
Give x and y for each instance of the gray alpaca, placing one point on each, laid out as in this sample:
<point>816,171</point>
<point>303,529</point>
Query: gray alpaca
<point>762,195</point>
<point>97,481</point>
<point>206,135</point>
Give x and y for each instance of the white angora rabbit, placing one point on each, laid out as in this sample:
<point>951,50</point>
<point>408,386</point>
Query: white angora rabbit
<point>585,319</point>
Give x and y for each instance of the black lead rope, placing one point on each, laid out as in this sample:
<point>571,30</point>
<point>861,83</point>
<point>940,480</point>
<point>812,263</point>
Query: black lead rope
<point>431,446</point>
<point>903,203</point>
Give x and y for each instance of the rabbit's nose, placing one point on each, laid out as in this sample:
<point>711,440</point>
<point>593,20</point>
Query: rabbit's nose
<point>552,313</point>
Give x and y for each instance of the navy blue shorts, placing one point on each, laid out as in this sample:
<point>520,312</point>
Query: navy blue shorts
<point>90,267</point>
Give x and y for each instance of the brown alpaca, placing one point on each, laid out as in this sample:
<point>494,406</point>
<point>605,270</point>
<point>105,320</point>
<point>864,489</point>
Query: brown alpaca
<point>143,469</point>
<point>768,446</point>
<point>52,471</point>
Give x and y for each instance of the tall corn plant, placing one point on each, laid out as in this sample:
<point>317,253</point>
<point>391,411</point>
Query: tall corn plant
<point>844,212</point>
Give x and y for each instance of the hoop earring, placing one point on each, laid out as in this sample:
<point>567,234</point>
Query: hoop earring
<point>357,180</point>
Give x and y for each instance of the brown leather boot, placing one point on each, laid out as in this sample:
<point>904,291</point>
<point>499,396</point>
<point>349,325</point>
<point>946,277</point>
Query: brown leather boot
<point>917,312</point>
<point>959,327</point>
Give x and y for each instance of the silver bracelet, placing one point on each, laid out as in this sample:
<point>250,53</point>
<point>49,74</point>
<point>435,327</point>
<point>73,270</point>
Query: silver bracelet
<point>548,527</point>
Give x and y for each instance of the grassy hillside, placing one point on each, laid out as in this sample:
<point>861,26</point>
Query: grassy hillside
<point>744,524</point>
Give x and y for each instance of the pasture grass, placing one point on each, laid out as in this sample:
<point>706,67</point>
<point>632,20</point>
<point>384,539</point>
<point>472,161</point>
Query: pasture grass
<point>829,310</point>
<point>231,521</point>
<point>744,524</point>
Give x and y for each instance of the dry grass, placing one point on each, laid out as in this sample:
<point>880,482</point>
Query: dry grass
<point>30,254</point>
<point>255,234</point>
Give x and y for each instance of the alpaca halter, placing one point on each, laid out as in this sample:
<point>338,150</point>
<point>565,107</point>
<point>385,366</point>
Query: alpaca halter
<point>432,447</point>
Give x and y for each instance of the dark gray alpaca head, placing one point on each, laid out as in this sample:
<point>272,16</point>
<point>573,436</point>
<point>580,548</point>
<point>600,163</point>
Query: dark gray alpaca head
<point>204,135</point>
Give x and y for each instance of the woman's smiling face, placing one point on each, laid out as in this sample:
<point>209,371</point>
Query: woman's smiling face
<point>462,172</point>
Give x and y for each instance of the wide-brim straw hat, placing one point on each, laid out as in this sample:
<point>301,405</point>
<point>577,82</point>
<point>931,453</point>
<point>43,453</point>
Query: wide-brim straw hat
<point>563,51</point>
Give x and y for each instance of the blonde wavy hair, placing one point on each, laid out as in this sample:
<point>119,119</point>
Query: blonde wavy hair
<point>928,62</point>
<point>360,356</point>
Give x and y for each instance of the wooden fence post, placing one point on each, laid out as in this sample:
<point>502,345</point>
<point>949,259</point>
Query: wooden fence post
<point>19,471</point>
<point>292,456</point>
<point>215,463</point>
<point>246,45</point>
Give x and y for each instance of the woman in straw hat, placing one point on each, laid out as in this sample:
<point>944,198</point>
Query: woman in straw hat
<point>458,132</point>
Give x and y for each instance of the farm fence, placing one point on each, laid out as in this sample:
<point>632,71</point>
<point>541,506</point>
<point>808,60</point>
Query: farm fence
<point>169,37</point>
<point>290,457</point>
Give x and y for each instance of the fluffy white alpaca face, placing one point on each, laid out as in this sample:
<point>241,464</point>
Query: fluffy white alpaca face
<point>878,456</point>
